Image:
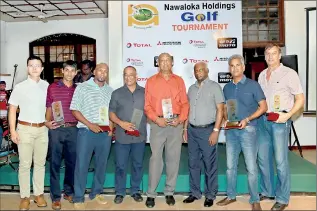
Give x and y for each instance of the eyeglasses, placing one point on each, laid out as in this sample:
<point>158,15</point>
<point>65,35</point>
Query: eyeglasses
<point>35,66</point>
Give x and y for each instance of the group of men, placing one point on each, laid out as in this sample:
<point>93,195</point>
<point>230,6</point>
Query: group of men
<point>92,109</point>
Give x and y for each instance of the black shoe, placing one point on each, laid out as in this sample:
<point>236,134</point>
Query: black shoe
<point>208,202</point>
<point>170,200</point>
<point>150,202</point>
<point>279,206</point>
<point>190,199</point>
<point>118,199</point>
<point>262,197</point>
<point>137,197</point>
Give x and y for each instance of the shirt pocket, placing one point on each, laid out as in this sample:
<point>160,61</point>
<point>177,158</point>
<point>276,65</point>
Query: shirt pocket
<point>247,98</point>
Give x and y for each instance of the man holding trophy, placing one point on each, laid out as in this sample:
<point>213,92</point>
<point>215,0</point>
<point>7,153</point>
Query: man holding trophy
<point>62,133</point>
<point>284,96</point>
<point>166,106</point>
<point>126,109</point>
<point>245,102</point>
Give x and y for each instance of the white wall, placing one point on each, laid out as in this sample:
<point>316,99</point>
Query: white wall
<point>295,42</point>
<point>3,45</point>
<point>20,34</point>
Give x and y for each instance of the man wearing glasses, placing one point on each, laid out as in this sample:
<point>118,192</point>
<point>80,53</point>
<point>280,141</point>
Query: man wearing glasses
<point>30,135</point>
<point>126,109</point>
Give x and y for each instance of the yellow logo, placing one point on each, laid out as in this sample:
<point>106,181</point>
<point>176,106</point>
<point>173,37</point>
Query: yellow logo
<point>142,15</point>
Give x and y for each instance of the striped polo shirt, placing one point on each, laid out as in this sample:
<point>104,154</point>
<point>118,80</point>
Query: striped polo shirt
<point>92,102</point>
<point>58,91</point>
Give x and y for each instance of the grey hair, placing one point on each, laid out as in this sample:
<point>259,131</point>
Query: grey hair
<point>236,56</point>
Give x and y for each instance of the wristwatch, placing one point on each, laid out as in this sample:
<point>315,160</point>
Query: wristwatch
<point>216,129</point>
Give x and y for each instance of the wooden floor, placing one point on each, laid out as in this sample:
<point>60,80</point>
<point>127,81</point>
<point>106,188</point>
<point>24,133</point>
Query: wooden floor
<point>10,201</point>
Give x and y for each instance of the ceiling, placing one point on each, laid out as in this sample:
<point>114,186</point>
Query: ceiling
<point>46,10</point>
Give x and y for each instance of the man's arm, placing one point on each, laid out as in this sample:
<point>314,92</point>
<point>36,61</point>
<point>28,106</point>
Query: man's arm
<point>298,104</point>
<point>219,115</point>
<point>12,117</point>
<point>185,104</point>
<point>261,110</point>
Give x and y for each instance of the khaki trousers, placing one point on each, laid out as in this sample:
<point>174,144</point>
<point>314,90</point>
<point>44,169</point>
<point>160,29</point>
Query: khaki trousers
<point>33,146</point>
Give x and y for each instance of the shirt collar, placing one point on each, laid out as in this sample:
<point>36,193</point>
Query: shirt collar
<point>242,81</point>
<point>203,82</point>
<point>60,83</point>
<point>92,83</point>
<point>32,81</point>
<point>136,88</point>
<point>279,68</point>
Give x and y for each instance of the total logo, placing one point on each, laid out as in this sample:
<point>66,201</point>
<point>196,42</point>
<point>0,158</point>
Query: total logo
<point>135,62</point>
<point>198,43</point>
<point>138,45</point>
<point>221,59</point>
<point>141,79</point>
<point>194,61</point>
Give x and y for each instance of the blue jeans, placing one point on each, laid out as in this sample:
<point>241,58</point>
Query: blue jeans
<point>87,143</point>
<point>245,140</point>
<point>200,149</point>
<point>1,133</point>
<point>62,144</point>
<point>123,151</point>
<point>273,138</point>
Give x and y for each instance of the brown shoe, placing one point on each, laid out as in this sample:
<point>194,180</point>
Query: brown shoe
<point>68,198</point>
<point>279,206</point>
<point>225,201</point>
<point>256,206</point>
<point>24,204</point>
<point>40,201</point>
<point>56,205</point>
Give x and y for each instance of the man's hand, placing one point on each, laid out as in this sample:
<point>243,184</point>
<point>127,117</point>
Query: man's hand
<point>283,117</point>
<point>52,125</point>
<point>243,123</point>
<point>127,126</point>
<point>161,122</point>
<point>94,128</point>
<point>213,138</point>
<point>110,133</point>
<point>175,122</point>
<point>15,137</point>
<point>185,136</point>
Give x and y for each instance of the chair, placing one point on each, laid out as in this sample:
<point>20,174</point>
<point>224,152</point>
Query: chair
<point>10,151</point>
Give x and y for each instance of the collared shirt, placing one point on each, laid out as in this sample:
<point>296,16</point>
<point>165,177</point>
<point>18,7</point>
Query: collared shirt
<point>79,78</point>
<point>248,94</point>
<point>203,101</point>
<point>92,102</point>
<point>58,91</point>
<point>284,83</point>
<point>30,96</point>
<point>157,89</point>
<point>122,103</point>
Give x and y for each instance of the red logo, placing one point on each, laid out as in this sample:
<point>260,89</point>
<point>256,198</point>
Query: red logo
<point>194,61</point>
<point>139,45</point>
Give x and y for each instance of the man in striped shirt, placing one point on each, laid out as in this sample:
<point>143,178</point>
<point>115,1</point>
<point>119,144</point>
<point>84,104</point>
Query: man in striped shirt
<point>62,133</point>
<point>90,105</point>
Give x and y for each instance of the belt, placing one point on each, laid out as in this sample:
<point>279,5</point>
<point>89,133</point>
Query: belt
<point>69,124</point>
<point>31,124</point>
<point>201,126</point>
<point>172,117</point>
<point>267,114</point>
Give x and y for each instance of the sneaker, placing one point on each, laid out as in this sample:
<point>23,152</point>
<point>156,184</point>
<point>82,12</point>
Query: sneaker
<point>100,199</point>
<point>79,206</point>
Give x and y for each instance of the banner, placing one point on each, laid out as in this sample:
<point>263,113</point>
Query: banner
<point>191,31</point>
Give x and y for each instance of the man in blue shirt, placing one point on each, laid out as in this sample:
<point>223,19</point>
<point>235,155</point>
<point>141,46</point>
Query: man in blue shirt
<point>251,104</point>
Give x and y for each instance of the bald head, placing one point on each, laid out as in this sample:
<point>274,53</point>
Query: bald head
<point>101,72</point>
<point>102,66</point>
<point>201,71</point>
<point>165,62</point>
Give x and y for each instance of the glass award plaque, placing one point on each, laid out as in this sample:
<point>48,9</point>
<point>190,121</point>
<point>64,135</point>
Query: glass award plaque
<point>58,113</point>
<point>136,121</point>
<point>167,108</point>
<point>232,111</point>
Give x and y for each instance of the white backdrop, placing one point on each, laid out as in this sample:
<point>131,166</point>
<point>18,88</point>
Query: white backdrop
<point>190,31</point>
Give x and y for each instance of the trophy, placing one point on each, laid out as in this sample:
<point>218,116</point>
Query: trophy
<point>58,113</point>
<point>136,120</point>
<point>167,109</point>
<point>273,116</point>
<point>104,119</point>
<point>232,109</point>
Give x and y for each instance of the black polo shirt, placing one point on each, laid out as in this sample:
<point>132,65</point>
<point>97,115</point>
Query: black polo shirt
<point>122,103</point>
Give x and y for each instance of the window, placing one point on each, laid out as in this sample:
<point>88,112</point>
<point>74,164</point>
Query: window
<point>262,22</point>
<point>39,51</point>
<point>87,52</point>
<point>61,53</point>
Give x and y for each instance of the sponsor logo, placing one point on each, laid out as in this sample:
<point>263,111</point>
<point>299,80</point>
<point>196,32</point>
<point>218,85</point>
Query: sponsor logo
<point>193,61</point>
<point>138,45</point>
<point>169,43</point>
<point>204,6</point>
<point>156,61</point>
<point>135,62</point>
<point>227,42</point>
<point>220,59</point>
<point>142,79</point>
<point>224,77</point>
<point>198,43</point>
<point>142,16</point>
<point>191,17</point>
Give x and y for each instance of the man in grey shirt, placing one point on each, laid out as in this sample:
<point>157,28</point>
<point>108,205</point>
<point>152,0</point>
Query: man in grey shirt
<point>126,109</point>
<point>202,131</point>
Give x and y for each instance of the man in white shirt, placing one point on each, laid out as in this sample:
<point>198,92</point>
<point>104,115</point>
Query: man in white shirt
<point>30,134</point>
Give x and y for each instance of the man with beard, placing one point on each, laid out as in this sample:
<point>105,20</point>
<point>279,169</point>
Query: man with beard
<point>202,131</point>
<point>90,107</point>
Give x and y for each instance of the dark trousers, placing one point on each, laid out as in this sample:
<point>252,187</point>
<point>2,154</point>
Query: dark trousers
<point>123,151</point>
<point>87,143</point>
<point>200,149</point>
<point>62,144</point>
